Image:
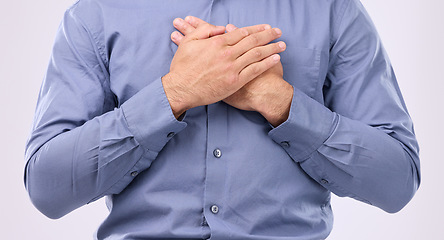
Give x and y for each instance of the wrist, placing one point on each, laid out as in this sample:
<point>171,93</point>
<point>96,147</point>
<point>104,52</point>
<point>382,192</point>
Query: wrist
<point>175,98</point>
<point>275,106</point>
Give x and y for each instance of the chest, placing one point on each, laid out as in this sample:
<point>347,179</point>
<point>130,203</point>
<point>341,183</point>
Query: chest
<point>140,50</point>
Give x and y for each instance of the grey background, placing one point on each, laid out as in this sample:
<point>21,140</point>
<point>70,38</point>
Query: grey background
<point>413,35</point>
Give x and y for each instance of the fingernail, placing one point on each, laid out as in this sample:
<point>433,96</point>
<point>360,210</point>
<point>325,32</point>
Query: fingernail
<point>282,45</point>
<point>276,57</point>
<point>177,22</point>
<point>278,31</point>
<point>189,19</point>
<point>267,27</point>
<point>174,35</point>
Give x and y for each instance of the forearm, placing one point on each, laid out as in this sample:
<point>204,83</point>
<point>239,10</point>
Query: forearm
<point>348,157</point>
<point>82,147</point>
<point>365,163</point>
<point>100,157</point>
<point>80,165</point>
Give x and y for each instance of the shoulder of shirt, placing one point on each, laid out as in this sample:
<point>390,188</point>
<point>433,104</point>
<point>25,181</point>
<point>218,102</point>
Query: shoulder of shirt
<point>89,14</point>
<point>87,10</point>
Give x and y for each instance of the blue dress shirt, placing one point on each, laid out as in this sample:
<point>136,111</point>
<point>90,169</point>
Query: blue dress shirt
<point>104,127</point>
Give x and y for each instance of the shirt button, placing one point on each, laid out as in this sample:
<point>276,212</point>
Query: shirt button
<point>171,134</point>
<point>323,181</point>
<point>133,174</point>
<point>214,209</point>
<point>217,153</point>
<point>285,144</point>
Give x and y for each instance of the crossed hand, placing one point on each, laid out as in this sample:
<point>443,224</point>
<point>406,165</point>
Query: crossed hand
<point>236,65</point>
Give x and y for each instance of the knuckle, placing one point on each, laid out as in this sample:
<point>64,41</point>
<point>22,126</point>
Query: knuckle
<point>272,33</point>
<point>227,53</point>
<point>255,69</point>
<point>232,78</point>
<point>254,39</point>
<point>244,32</point>
<point>257,53</point>
<point>219,41</point>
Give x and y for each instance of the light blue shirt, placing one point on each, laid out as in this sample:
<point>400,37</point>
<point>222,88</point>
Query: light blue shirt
<point>104,127</point>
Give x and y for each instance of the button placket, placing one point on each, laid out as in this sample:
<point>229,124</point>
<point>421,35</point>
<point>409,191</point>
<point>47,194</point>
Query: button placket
<point>215,168</point>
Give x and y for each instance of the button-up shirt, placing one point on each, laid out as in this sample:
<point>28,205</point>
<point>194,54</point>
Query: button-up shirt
<point>104,127</point>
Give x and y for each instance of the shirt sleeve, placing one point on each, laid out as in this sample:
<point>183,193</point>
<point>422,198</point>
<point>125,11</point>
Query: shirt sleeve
<point>360,143</point>
<point>82,147</point>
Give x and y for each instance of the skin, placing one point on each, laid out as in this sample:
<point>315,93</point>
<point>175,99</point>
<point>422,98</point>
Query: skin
<point>239,67</point>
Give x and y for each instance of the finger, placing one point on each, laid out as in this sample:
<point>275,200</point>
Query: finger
<point>183,26</point>
<point>259,53</point>
<point>256,69</point>
<point>236,35</point>
<point>194,21</point>
<point>219,31</point>
<point>176,37</point>
<point>255,40</point>
<point>230,27</point>
<point>204,31</point>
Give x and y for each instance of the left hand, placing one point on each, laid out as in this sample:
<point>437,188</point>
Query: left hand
<point>269,94</point>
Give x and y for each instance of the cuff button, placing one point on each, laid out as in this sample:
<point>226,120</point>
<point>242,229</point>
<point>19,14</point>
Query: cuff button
<point>171,134</point>
<point>285,144</point>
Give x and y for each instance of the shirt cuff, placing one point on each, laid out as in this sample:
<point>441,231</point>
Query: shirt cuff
<point>308,125</point>
<point>150,118</point>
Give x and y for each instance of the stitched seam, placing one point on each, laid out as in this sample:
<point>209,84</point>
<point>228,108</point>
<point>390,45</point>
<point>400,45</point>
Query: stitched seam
<point>339,20</point>
<point>100,55</point>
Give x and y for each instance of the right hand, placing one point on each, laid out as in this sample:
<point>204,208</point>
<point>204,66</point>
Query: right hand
<point>206,70</point>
